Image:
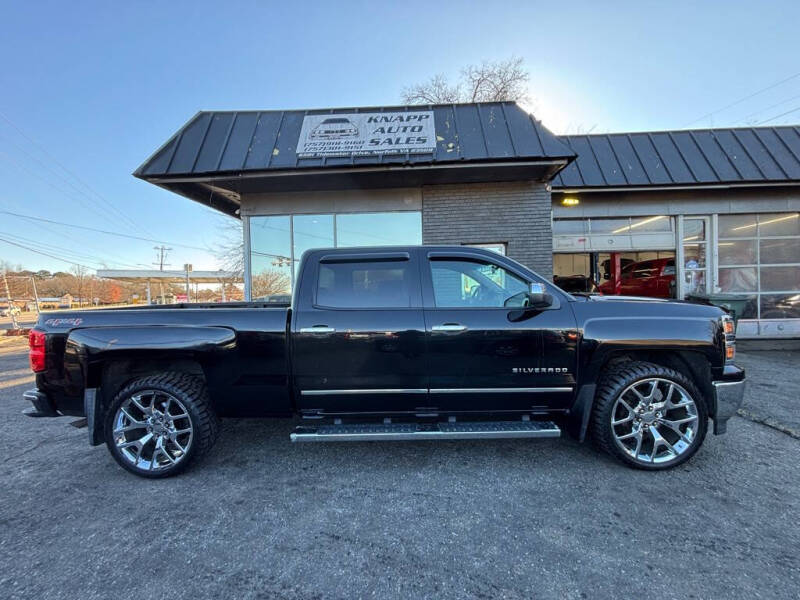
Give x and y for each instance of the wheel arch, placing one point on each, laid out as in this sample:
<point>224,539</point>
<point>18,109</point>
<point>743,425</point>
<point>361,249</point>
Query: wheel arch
<point>115,373</point>
<point>694,364</point>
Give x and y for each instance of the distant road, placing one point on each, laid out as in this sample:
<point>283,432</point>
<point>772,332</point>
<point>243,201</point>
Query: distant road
<point>24,319</point>
<point>27,319</point>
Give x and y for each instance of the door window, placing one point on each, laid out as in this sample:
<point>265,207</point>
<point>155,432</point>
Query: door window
<point>380,284</point>
<point>695,250</point>
<point>466,283</point>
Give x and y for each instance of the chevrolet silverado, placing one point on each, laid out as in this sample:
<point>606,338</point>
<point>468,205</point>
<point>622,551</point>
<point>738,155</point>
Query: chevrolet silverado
<point>395,343</point>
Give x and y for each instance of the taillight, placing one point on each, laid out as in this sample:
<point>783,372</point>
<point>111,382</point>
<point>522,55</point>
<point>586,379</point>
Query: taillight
<point>36,341</point>
<point>729,331</point>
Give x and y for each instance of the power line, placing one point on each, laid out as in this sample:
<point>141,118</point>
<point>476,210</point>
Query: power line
<point>771,106</point>
<point>69,239</point>
<point>46,254</point>
<point>40,177</point>
<point>69,172</point>
<point>75,193</point>
<point>778,116</point>
<point>84,227</point>
<point>66,251</point>
<point>740,100</point>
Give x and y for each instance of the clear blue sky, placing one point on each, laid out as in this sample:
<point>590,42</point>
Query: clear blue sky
<point>100,85</point>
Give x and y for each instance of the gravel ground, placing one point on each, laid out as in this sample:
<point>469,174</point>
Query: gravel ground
<point>262,518</point>
<point>774,388</point>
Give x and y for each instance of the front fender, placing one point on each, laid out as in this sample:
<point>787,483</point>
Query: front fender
<point>604,337</point>
<point>609,336</point>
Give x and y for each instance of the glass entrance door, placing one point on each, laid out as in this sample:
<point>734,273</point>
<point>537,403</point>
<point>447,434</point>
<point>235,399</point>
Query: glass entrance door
<point>695,255</point>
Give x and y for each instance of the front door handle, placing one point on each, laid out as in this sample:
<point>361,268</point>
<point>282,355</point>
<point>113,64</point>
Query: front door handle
<point>449,327</point>
<point>317,329</point>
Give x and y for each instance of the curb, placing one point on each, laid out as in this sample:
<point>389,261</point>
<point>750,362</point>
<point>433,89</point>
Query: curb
<point>22,331</point>
<point>769,422</point>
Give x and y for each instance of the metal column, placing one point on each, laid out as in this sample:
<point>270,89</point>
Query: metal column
<point>248,272</point>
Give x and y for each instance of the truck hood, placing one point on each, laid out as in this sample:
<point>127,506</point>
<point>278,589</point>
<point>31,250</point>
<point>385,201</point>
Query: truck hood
<point>640,306</point>
<point>598,298</point>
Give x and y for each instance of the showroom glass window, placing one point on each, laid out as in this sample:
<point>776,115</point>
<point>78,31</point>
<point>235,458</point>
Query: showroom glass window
<point>270,257</point>
<point>759,258</point>
<point>277,242</point>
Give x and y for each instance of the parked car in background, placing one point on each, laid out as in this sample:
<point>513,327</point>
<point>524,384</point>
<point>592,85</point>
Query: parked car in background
<point>576,284</point>
<point>653,278</point>
<point>9,310</point>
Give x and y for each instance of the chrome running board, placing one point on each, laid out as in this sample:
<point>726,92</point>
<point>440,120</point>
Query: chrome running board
<point>375,432</point>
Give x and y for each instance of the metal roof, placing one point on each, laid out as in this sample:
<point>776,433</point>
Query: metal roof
<point>695,157</point>
<point>217,156</point>
<point>214,142</point>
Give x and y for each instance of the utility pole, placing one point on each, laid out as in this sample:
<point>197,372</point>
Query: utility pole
<point>11,310</point>
<point>188,268</point>
<point>162,254</point>
<point>35,293</point>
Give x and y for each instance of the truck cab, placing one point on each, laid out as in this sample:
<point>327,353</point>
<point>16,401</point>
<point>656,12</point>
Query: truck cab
<point>429,330</point>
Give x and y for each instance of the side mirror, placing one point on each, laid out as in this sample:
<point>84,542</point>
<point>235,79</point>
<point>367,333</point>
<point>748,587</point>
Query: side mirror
<point>537,298</point>
<point>539,301</point>
<point>534,299</point>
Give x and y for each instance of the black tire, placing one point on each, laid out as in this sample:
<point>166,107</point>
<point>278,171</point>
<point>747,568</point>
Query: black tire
<point>191,393</point>
<point>614,382</point>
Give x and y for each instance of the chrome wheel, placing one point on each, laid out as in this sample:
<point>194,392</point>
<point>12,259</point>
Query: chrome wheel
<point>654,420</point>
<point>152,430</point>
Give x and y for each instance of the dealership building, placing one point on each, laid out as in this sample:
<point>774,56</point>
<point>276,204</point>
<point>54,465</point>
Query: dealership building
<point>721,207</point>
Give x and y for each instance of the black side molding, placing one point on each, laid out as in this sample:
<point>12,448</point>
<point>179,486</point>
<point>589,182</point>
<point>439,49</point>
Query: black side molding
<point>94,416</point>
<point>578,421</point>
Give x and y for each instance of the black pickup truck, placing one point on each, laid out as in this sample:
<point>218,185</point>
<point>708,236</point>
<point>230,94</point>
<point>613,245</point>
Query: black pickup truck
<point>395,343</point>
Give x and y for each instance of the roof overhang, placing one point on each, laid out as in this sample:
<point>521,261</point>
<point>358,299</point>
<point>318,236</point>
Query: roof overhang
<point>224,192</point>
<point>219,157</point>
<point>673,188</point>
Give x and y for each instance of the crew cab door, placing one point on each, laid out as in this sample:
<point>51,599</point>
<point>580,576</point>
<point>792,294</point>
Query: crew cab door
<point>359,334</point>
<point>485,354</point>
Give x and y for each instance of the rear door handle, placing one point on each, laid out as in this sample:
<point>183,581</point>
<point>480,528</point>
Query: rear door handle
<point>317,329</point>
<point>449,327</point>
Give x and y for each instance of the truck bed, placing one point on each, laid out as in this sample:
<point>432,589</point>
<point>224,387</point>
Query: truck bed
<point>240,347</point>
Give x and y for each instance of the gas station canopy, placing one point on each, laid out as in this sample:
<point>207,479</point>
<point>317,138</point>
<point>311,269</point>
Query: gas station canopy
<point>141,276</point>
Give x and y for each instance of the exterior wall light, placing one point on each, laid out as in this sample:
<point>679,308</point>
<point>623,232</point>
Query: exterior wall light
<point>570,201</point>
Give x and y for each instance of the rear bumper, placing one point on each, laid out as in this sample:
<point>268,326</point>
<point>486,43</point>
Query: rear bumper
<point>728,396</point>
<point>42,405</point>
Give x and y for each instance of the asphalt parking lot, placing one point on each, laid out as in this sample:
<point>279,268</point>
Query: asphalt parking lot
<point>262,518</point>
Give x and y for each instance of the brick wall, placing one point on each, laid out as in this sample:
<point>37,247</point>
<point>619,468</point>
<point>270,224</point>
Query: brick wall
<point>516,213</point>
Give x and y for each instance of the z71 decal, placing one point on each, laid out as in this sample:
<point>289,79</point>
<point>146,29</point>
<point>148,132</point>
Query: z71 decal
<point>74,322</point>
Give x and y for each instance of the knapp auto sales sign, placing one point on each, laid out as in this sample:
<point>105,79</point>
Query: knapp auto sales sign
<point>367,133</point>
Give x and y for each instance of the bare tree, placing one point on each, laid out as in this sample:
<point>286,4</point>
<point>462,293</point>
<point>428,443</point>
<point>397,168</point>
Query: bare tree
<point>229,251</point>
<point>80,274</point>
<point>436,90</point>
<point>491,81</point>
<point>270,282</point>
